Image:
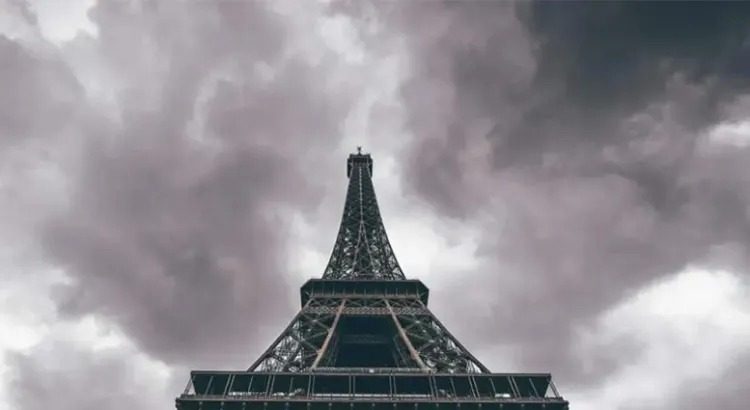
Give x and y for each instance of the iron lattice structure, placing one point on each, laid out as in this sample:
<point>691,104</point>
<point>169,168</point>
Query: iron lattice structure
<point>362,249</point>
<point>365,338</point>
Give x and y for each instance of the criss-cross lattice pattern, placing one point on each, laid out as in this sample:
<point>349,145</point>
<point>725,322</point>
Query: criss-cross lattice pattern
<point>365,338</point>
<point>417,338</point>
<point>362,250</point>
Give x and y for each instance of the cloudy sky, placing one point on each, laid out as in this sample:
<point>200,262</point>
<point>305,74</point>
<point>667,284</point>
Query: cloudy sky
<point>572,181</point>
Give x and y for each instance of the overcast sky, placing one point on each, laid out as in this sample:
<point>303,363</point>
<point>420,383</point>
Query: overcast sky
<point>572,181</point>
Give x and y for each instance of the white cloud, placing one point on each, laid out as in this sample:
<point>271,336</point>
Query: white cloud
<point>735,134</point>
<point>60,21</point>
<point>35,340</point>
<point>688,328</point>
<point>73,357</point>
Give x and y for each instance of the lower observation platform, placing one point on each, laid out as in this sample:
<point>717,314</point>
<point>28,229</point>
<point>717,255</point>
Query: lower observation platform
<point>372,389</point>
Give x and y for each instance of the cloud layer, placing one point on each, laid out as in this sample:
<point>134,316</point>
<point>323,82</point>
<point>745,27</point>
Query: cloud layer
<point>581,138</point>
<point>181,137</point>
<point>580,152</point>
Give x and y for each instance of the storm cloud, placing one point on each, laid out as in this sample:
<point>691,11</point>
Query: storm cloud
<point>183,180</point>
<point>583,138</point>
<point>173,226</point>
<point>161,165</point>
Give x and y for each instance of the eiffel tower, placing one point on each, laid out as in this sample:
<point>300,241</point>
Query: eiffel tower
<point>365,339</point>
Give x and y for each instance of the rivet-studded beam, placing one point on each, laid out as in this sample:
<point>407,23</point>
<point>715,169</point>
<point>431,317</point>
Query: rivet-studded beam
<point>362,250</point>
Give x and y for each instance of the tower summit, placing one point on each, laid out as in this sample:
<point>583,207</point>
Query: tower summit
<point>362,250</point>
<point>364,338</point>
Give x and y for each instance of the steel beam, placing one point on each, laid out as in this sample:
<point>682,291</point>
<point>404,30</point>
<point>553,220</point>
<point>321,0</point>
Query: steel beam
<point>331,330</point>
<point>412,351</point>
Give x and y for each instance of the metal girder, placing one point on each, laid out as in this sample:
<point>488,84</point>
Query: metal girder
<point>418,334</point>
<point>329,335</point>
<point>297,347</point>
<point>407,342</point>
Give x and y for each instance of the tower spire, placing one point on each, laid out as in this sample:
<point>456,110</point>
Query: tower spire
<point>362,249</point>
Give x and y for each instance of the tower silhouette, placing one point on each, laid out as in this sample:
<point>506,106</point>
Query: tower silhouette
<point>365,339</point>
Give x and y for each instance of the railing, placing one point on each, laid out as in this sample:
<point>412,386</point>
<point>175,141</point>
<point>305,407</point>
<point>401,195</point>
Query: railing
<point>366,370</point>
<point>372,384</point>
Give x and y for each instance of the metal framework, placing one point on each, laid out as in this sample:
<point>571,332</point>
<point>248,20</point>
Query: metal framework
<point>362,249</point>
<point>414,337</point>
<point>364,337</point>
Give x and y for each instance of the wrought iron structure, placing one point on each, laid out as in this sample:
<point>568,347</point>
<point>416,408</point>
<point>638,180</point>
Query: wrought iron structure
<point>365,338</point>
<point>362,250</point>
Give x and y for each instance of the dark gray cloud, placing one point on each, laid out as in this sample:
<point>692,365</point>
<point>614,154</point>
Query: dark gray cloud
<point>177,213</point>
<point>173,234</point>
<point>575,134</point>
<point>185,137</point>
<point>32,79</point>
<point>618,56</point>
